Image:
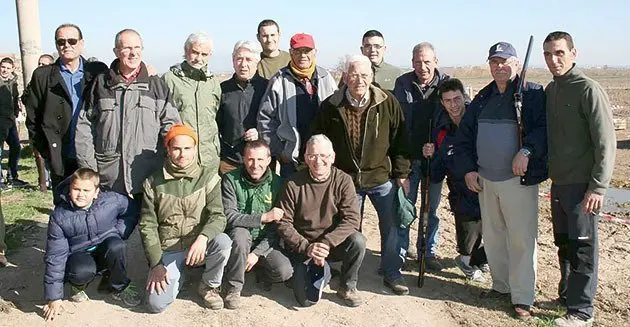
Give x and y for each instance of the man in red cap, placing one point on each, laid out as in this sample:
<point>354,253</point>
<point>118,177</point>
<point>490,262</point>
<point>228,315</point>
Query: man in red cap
<point>291,102</point>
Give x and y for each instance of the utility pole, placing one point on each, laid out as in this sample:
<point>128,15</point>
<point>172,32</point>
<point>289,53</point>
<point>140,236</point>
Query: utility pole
<point>30,36</point>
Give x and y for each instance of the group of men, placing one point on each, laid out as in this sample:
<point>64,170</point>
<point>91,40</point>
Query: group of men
<point>163,143</point>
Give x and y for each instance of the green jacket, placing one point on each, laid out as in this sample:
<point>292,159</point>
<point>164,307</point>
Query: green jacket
<point>580,132</point>
<point>384,152</point>
<point>385,75</point>
<point>197,94</point>
<point>176,210</point>
<point>244,203</point>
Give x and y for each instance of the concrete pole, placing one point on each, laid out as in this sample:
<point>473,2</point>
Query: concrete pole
<point>30,36</point>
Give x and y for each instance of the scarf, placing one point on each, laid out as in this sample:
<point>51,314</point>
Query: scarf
<point>304,75</point>
<point>191,171</point>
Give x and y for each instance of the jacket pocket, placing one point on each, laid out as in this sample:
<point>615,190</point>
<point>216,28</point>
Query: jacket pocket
<point>108,167</point>
<point>108,127</point>
<point>150,127</point>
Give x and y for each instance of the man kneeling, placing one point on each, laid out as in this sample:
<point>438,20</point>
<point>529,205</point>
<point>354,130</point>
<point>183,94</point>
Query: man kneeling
<point>86,233</point>
<point>249,194</point>
<point>321,219</point>
<point>182,223</point>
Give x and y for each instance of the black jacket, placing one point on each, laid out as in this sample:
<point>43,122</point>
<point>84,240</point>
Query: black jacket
<point>237,113</point>
<point>49,110</point>
<point>9,96</point>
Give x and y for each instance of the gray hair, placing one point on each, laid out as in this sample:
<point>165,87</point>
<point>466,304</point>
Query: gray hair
<point>351,59</point>
<point>319,138</point>
<point>422,46</point>
<point>253,47</point>
<point>126,30</point>
<point>199,37</point>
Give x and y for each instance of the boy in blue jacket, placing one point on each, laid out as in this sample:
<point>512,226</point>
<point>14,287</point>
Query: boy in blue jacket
<point>464,202</point>
<point>86,234</point>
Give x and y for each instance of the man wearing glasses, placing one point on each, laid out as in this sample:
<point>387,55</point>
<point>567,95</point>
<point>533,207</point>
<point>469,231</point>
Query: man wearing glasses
<point>367,126</point>
<point>291,102</point>
<point>321,219</point>
<point>504,164</point>
<point>54,97</point>
<point>373,46</point>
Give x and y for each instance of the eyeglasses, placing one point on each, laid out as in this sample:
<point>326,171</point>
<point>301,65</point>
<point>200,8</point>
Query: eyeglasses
<point>313,157</point>
<point>373,46</point>
<point>62,42</point>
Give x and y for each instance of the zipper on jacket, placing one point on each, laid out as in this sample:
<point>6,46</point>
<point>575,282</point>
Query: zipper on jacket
<point>197,122</point>
<point>376,129</point>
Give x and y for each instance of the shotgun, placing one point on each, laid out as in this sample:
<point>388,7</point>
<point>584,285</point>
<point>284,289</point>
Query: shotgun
<point>425,218</point>
<point>518,95</point>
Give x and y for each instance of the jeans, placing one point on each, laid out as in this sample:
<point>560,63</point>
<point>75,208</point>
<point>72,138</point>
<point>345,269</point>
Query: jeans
<point>217,254</point>
<point>416,181</point>
<point>13,140</point>
<point>392,253</point>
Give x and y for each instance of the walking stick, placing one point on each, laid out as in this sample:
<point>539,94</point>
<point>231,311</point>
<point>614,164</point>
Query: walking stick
<point>425,218</point>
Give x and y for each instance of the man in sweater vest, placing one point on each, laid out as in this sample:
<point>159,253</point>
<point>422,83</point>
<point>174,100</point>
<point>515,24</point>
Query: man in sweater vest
<point>249,193</point>
<point>581,160</point>
<point>366,125</point>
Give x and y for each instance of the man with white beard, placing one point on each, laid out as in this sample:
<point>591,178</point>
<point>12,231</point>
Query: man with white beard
<point>196,94</point>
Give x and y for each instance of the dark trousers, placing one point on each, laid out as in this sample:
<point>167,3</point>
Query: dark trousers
<point>351,253</point>
<point>275,265</point>
<point>468,235</point>
<point>69,167</point>
<point>575,235</point>
<point>109,257</point>
<point>10,135</point>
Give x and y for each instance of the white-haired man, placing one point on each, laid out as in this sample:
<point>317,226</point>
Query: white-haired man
<point>240,100</point>
<point>196,94</point>
<point>366,125</point>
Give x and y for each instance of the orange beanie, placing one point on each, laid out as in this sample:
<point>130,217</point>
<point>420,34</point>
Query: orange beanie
<point>179,129</point>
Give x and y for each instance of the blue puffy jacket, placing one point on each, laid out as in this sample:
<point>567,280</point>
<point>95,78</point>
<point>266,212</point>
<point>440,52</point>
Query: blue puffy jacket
<point>534,119</point>
<point>462,200</point>
<point>72,230</point>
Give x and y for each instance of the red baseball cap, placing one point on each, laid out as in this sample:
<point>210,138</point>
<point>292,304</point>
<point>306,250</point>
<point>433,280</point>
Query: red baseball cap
<point>302,40</point>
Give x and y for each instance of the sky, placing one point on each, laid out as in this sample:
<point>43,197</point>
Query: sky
<point>461,31</point>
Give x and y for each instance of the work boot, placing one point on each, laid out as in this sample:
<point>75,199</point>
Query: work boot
<point>573,321</point>
<point>210,296</point>
<point>398,286</point>
<point>232,300</point>
<point>129,296</point>
<point>351,297</point>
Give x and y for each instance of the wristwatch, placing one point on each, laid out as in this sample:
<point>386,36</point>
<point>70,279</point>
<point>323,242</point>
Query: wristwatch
<point>526,152</point>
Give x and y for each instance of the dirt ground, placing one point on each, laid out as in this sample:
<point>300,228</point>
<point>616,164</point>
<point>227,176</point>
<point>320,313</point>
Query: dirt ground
<point>447,299</point>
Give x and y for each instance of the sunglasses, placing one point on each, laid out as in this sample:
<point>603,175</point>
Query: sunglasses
<point>62,42</point>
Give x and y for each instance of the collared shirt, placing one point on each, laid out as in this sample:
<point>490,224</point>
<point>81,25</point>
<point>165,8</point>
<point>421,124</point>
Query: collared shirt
<point>358,103</point>
<point>73,84</point>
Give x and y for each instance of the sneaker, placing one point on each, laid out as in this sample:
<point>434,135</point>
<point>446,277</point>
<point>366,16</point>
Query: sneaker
<point>232,300</point>
<point>17,183</point>
<point>351,297</point>
<point>4,187</point>
<point>210,296</point>
<point>412,253</point>
<point>466,269</point>
<point>433,264</point>
<point>129,296</point>
<point>572,321</point>
<point>485,268</point>
<point>3,260</point>
<point>78,294</point>
<point>477,276</point>
<point>522,312</point>
<point>398,286</point>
